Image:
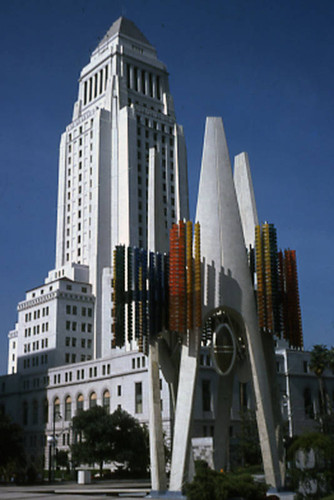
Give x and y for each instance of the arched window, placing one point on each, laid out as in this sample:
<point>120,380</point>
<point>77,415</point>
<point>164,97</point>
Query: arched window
<point>35,411</point>
<point>46,411</point>
<point>68,408</point>
<point>25,413</point>
<point>80,403</point>
<point>92,400</point>
<point>308,404</point>
<point>106,400</point>
<point>56,409</point>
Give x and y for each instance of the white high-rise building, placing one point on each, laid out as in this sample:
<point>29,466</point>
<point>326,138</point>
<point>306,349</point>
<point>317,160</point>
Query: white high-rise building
<point>124,110</point>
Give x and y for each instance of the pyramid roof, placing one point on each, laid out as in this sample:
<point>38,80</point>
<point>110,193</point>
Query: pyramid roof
<point>125,27</point>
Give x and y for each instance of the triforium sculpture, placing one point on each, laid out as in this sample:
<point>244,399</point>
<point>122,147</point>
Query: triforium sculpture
<point>159,298</point>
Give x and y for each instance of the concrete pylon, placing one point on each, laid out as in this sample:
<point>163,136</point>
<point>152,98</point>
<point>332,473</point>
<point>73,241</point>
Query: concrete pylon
<point>223,248</point>
<point>156,241</point>
<point>182,453</point>
<point>249,219</point>
<point>245,196</point>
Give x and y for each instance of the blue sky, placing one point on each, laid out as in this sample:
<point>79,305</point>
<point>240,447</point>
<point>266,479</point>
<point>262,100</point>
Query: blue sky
<point>266,67</point>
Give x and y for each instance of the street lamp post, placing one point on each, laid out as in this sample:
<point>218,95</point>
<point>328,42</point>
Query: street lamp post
<point>52,440</point>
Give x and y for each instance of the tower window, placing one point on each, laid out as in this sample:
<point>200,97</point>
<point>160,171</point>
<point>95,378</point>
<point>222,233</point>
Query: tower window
<point>95,85</point>
<point>158,88</point>
<point>138,397</point>
<point>150,84</point>
<point>101,81</point>
<point>85,93</point>
<point>106,75</point>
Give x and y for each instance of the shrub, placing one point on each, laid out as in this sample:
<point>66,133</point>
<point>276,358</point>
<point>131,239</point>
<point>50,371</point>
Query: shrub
<point>211,485</point>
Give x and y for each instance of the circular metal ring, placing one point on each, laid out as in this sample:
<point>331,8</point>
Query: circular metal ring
<point>224,349</point>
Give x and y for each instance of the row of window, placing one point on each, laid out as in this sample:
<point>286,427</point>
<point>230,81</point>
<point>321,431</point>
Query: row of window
<point>85,311</point>
<point>79,227</point>
<point>80,375</point>
<point>72,135</point>
<point>85,327</point>
<point>44,327</point>
<point>71,149</point>
<point>146,151</point>
<point>35,361</point>
<point>79,193</point>
<point>154,135</point>
<point>313,405</point>
<point>72,341</point>
<point>95,85</point>
<point>154,124</point>
<point>34,346</point>
<point>80,174</point>
<point>145,156</point>
<point>81,158</point>
<point>72,358</point>
<point>142,81</point>
<point>37,314</point>
<point>92,402</point>
<point>36,382</point>
<point>136,362</point>
<point>85,179</point>
<point>69,208</point>
<point>38,411</point>
<point>35,413</point>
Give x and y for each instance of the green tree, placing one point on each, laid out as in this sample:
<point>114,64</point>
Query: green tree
<point>102,437</point>
<point>315,477</point>
<point>92,430</point>
<point>331,359</point>
<point>62,459</point>
<point>320,359</point>
<point>131,441</point>
<point>12,456</point>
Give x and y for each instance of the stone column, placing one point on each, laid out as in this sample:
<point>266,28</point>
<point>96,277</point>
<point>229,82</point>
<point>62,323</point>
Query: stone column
<point>131,76</point>
<point>147,90</point>
<point>154,86</point>
<point>139,80</point>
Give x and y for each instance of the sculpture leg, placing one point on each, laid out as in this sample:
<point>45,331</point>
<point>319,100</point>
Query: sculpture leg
<point>184,410</point>
<point>222,425</point>
<point>157,450</point>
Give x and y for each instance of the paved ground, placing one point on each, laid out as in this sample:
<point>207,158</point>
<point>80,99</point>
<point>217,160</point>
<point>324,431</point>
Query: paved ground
<point>125,490</point>
<point>72,491</point>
